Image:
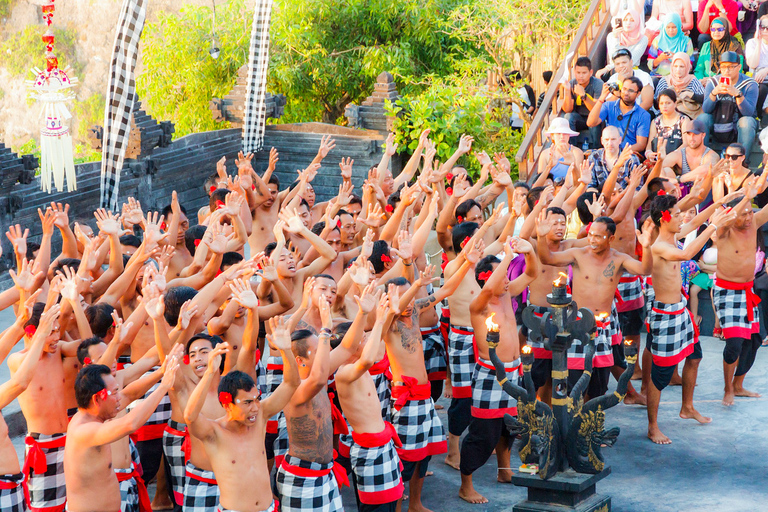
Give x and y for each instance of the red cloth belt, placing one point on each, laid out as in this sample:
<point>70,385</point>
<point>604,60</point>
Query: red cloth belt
<point>410,389</point>
<point>617,296</point>
<point>35,457</point>
<point>339,423</point>
<point>630,279</point>
<point>379,438</point>
<point>381,366</point>
<point>275,366</point>
<point>603,324</point>
<point>186,446</point>
<point>145,505</point>
<point>9,485</point>
<point>271,426</point>
<point>338,471</point>
<point>752,299</point>
<point>199,478</point>
<point>148,432</point>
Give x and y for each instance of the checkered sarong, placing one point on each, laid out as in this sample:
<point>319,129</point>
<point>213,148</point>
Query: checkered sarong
<point>273,377</point>
<point>650,296</point>
<point>129,492</point>
<point>376,467</point>
<point>603,357</point>
<point>173,442</point>
<point>281,442</point>
<point>46,489</point>
<point>382,376</point>
<point>161,415</point>
<point>201,492</point>
<point>461,358</point>
<point>255,116</point>
<point>121,94</point>
<point>732,303</point>
<point>435,359</point>
<point>488,398</point>
<point>673,333</point>
<point>305,493</point>
<point>271,508</point>
<point>629,292</point>
<point>12,493</point>
<point>420,430</point>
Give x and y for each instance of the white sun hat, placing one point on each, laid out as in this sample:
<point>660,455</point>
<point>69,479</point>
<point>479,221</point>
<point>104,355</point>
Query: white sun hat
<point>560,125</point>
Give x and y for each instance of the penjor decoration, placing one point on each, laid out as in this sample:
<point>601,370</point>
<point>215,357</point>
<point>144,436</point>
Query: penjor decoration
<point>255,117</point>
<point>52,87</point>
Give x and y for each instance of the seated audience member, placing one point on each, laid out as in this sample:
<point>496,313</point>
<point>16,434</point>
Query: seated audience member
<point>579,96</point>
<point>709,10</point>
<point>756,58</point>
<point>693,154</point>
<point>731,92</point>
<point>609,156</point>
<point>722,41</point>
<point>662,8</point>
<point>623,65</point>
<point>747,22</point>
<point>625,114</point>
<point>628,34</point>
<point>667,44</point>
<point>547,77</point>
<point>689,91</point>
<point>668,126</point>
<point>560,155</point>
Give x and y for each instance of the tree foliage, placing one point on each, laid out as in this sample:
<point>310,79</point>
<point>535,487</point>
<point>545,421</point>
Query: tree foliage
<point>24,50</point>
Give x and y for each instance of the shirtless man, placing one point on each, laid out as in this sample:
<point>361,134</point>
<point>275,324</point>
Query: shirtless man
<point>596,272</point>
<point>234,442</point>
<point>91,482</point>
<point>733,296</point>
<point>11,479</point>
<point>689,158</point>
<point>486,430</point>
<point>373,454</point>
<point>265,214</point>
<point>177,223</point>
<point>670,322</point>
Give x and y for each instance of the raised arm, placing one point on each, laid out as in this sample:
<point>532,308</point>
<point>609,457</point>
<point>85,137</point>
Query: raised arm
<point>547,257</point>
<point>413,163</point>
<point>368,357</point>
<point>281,340</point>
<point>319,373</point>
<point>200,426</point>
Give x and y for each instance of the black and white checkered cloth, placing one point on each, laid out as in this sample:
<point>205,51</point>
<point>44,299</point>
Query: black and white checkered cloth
<point>273,377</point>
<point>271,508</point>
<point>162,413</point>
<point>121,94</point>
<point>673,333</point>
<point>47,489</point>
<point>376,471</point>
<point>435,359</point>
<point>129,492</point>
<point>461,359</point>
<point>630,289</point>
<point>488,398</point>
<point>420,430</point>
<point>307,493</point>
<point>732,308</point>
<point>385,394</point>
<point>172,444</point>
<point>12,500</point>
<point>281,443</point>
<point>255,116</point>
<point>201,493</point>
<point>603,357</point>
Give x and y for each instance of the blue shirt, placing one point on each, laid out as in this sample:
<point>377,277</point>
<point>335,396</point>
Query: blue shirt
<point>636,123</point>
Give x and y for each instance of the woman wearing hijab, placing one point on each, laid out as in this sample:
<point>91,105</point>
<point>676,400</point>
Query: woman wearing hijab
<point>689,91</point>
<point>663,7</point>
<point>671,41</point>
<point>629,35</point>
<point>722,41</point>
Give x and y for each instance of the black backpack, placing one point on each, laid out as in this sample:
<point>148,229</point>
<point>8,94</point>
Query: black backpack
<point>726,114</point>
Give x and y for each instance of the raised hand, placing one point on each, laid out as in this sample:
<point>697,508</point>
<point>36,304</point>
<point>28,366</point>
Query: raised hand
<point>394,299</point>
<point>243,294</point>
<point>502,162</point>
<point>281,336</point>
<point>465,144</point>
<point>483,158</point>
<point>107,222</point>
<point>360,272</point>
<point>501,178</point>
<point>69,282</point>
<point>346,168</point>
<point>645,237</point>
<point>428,276</point>
<point>277,230</point>
<point>29,273</point>
<point>390,145</point>
<point>597,207</point>
<point>233,202</point>
<point>61,213</point>
<point>221,168</point>
<point>382,308</point>
<point>542,225</point>
<point>325,313</point>
<point>165,256</point>
<point>586,171</point>
<point>520,245</point>
<point>267,270</point>
<point>47,321</point>
<point>273,159</point>
<point>187,312</point>
<point>374,217</point>
<point>47,219</point>
<point>460,186</point>
<point>326,145</point>
<point>368,298</point>
<point>18,239</point>
<point>722,216</point>
<point>292,221</point>
<point>404,247</point>
<point>306,293</point>
<point>216,240</point>
<point>475,252</point>
<point>132,214</point>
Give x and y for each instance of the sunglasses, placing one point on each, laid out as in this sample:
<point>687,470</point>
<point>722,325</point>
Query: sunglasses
<point>732,157</point>
<point>763,27</point>
<point>717,29</point>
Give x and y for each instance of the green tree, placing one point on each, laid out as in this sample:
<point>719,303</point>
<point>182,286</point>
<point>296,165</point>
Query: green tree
<point>24,50</point>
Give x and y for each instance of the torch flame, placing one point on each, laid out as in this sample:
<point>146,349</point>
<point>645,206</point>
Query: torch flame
<point>627,342</point>
<point>560,278</point>
<point>526,350</point>
<point>490,324</point>
<point>602,317</point>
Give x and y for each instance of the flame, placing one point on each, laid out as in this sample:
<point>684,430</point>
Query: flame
<point>602,317</point>
<point>627,342</point>
<point>561,278</point>
<point>490,324</point>
<point>526,350</point>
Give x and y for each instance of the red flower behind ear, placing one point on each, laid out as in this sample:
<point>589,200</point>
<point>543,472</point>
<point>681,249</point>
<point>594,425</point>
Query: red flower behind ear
<point>449,191</point>
<point>103,394</point>
<point>163,226</point>
<point>186,358</point>
<point>661,192</point>
<point>212,189</point>
<point>30,330</point>
<point>464,242</point>
<point>338,224</point>
<point>219,204</point>
<point>197,242</point>
<point>484,276</point>
<point>87,361</point>
<point>449,176</point>
<point>460,219</point>
<point>253,187</point>
<point>385,258</point>
<point>665,216</point>
<point>225,398</point>
<point>389,208</point>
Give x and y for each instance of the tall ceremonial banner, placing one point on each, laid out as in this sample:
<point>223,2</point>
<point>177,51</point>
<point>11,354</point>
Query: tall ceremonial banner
<point>255,117</point>
<point>121,94</point>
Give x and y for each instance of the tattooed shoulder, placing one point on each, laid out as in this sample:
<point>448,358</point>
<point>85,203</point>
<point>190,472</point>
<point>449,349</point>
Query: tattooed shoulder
<point>304,325</point>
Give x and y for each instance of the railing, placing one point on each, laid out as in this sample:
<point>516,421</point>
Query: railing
<point>589,41</point>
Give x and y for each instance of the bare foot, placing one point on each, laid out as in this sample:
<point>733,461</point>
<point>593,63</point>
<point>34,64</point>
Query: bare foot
<point>638,374</point>
<point>693,414</point>
<point>429,473</point>
<point>439,407</point>
<point>453,462</point>
<point>677,380</point>
<point>504,476</point>
<point>728,399</point>
<point>655,435</point>
<point>635,399</point>
<point>746,392</point>
<point>413,507</point>
<point>471,496</point>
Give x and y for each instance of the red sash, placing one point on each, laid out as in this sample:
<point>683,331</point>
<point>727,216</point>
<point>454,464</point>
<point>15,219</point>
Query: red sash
<point>379,438</point>
<point>9,485</point>
<point>35,457</point>
<point>752,299</point>
<point>339,423</point>
<point>338,471</point>
<point>381,366</point>
<point>186,446</point>
<point>410,389</point>
<point>145,505</point>
<point>148,432</point>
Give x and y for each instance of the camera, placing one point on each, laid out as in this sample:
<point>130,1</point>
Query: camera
<point>613,87</point>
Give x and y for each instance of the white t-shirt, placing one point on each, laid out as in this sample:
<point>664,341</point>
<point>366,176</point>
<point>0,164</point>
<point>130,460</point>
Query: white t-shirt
<point>644,77</point>
<point>763,53</point>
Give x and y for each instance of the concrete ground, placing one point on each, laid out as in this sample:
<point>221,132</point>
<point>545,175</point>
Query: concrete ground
<point>715,467</point>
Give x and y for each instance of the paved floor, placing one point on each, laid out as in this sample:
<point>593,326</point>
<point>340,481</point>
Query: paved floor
<point>717,467</point>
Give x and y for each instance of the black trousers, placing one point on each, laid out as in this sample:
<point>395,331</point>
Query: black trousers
<point>481,440</point>
<point>459,414</point>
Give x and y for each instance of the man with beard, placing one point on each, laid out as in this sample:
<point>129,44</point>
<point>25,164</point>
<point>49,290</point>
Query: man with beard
<point>633,122</point>
<point>689,158</point>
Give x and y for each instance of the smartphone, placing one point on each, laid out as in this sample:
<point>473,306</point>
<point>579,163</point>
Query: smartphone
<point>725,80</point>
<point>616,22</point>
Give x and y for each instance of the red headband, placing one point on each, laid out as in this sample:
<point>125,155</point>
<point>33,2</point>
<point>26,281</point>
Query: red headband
<point>212,189</point>
<point>460,219</point>
<point>661,192</point>
<point>197,242</point>
<point>103,394</point>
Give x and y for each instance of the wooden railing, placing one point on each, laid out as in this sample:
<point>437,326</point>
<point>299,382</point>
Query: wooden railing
<point>589,41</point>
